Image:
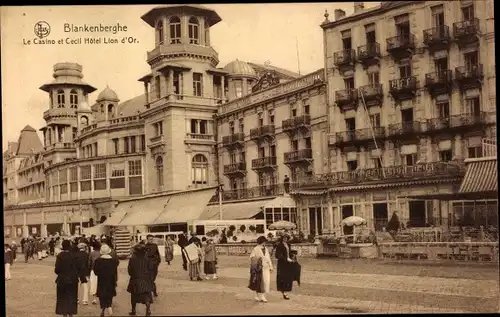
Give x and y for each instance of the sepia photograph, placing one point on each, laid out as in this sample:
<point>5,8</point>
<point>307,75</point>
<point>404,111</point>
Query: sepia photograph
<point>250,159</point>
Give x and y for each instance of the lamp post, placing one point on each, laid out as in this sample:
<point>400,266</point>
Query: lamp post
<point>220,200</point>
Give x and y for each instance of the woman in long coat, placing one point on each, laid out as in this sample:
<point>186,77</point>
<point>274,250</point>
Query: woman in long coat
<point>106,270</point>
<point>285,270</point>
<point>195,264</point>
<point>210,260</point>
<point>169,250</point>
<point>260,270</point>
<point>140,285</point>
<point>68,273</point>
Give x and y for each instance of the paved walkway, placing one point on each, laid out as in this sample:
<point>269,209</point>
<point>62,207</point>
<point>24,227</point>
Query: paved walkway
<point>32,293</point>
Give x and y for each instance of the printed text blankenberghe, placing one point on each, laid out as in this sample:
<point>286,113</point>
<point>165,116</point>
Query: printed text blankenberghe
<point>68,27</point>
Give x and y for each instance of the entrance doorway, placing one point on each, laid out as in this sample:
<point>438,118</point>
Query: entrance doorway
<point>380,216</point>
<point>347,211</point>
<point>417,213</point>
<point>315,221</point>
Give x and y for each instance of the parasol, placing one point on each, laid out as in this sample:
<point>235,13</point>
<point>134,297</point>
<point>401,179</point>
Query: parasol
<point>282,225</point>
<point>353,221</point>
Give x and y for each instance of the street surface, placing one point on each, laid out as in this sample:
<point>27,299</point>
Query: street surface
<point>329,286</point>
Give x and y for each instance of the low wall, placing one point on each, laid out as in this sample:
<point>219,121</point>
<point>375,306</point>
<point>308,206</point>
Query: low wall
<point>458,251</point>
<point>244,249</point>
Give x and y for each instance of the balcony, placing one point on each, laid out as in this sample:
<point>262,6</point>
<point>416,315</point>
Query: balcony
<point>469,77</point>
<point>298,157</point>
<point>296,123</point>
<point>440,82</point>
<point>264,163</point>
<point>264,132</point>
<point>372,95</point>
<point>199,138</point>
<point>235,169</point>
<point>462,122</point>
<point>405,129</point>
<point>466,32</point>
<point>345,58</point>
<point>156,139</point>
<point>437,38</point>
<point>270,190</point>
<point>358,137</point>
<point>403,88</point>
<point>346,99</point>
<point>369,54</point>
<point>233,140</point>
<point>401,46</point>
<point>390,174</point>
<point>61,146</point>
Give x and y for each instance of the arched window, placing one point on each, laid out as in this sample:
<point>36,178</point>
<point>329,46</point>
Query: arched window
<point>84,121</point>
<point>111,111</point>
<point>159,33</point>
<point>175,30</point>
<point>199,170</point>
<point>194,31</point>
<point>159,171</point>
<point>73,99</point>
<point>60,98</point>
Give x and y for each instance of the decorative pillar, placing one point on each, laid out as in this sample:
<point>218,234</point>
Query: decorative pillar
<point>146,92</point>
<point>330,212</point>
<point>245,87</point>
<point>170,84</point>
<point>223,83</point>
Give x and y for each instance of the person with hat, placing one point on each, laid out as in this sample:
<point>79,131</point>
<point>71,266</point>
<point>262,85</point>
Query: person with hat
<point>285,269</point>
<point>140,285</point>
<point>261,267</point>
<point>106,270</point>
<point>154,255</point>
<point>68,273</point>
<point>82,258</point>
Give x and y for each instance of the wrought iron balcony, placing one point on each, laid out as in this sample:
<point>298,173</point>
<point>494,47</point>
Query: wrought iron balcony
<point>270,190</point>
<point>431,170</point>
<point>368,53</point>
<point>463,122</point>
<point>261,132</point>
<point>438,37</point>
<point>466,32</point>
<point>264,162</point>
<point>371,94</point>
<point>304,155</point>
<point>358,136</point>
<point>439,82</point>
<point>403,88</point>
<point>233,139</point>
<point>346,97</point>
<point>405,128</point>
<point>235,168</point>
<point>343,58</point>
<point>469,77</point>
<point>401,46</point>
<point>296,123</point>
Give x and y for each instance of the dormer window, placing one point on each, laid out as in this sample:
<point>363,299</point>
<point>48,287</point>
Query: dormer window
<point>194,31</point>
<point>60,99</point>
<point>73,99</point>
<point>175,30</point>
<point>159,32</point>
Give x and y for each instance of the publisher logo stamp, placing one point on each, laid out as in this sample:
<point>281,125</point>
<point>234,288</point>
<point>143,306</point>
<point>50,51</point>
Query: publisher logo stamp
<point>42,29</point>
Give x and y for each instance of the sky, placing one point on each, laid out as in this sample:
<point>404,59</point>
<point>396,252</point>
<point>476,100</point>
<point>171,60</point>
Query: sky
<point>248,32</point>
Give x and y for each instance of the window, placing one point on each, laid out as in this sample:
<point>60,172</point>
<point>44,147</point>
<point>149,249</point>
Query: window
<point>295,145</point>
<point>346,40</point>
<point>445,156</point>
<point>375,120</point>
<point>159,32</point>
<point>177,83</point>
<point>407,115</point>
<point>374,78</point>
<point>231,127</point>
<point>199,170</point>
<point>437,17</point>
<point>73,179</point>
<point>126,149</point>
<point>85,175</point>
<point>471,61</point>
<point>157,87</point>
<point>306,109</point>
<point>203,127</point>
<point>134,168</point>
<point>73,99</point>
<point>473,106</point>
<point>405,71</point>
<point>143,143</point>
<point>194,31</point>
<point>117,179</point>
<point>475,152</point>
<point>307,142</point>
<point>238,86</point>
<point>294,113</point>
<point>133,145</point>
<point>262,152</point>
<point>260,120</point>
<point>271,117</point>
<point>197,84</point>
<point>100,176</point>
<point>84,121</point>
<point>468,12</point>
<point>242,126</point>
<point>159,172</point>
<point>349,83</point>
<point>441,65</point>
<point>410,159</point>
<point>402,26</point>
<point>242,157</point>
<point>444,110</point>
<point>350,124</point>
<point>352,165</point>
<point>370,34</point>
<point>60,99</point>
<point>175,30</point>
<point>116,146</point>
<point>111,112</point>
<point>158,128</point>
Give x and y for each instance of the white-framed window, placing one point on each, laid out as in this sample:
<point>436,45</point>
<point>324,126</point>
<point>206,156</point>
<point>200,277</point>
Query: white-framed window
<point>117,179</point>
<point>73,99</point>
<point>375,120</point>
<point>73,179</point>
<point>194,30</point>
<point>473,106</point>
<point>135,168</point>
<point>197,84</point>
<point>61,99</point>
<point>159,32</point>
<point>238,87</point>
<point>100,176</point>
<point>158,128</point>
<point>175,30</point>
<point>85,176</point>
<point>159,171</point>
<point>199,170</point>
<point>474,151</point>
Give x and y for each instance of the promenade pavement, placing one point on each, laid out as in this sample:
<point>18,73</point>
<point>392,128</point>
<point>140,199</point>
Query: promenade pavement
<point>329,286</point>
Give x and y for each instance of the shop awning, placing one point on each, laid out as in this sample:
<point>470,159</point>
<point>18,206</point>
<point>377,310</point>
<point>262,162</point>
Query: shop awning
<point>281,202</point>
<point>234,211</point>
<point>176,207</point>
<point>117,215</point>
<point>481,176</point>
<point>455,196</point>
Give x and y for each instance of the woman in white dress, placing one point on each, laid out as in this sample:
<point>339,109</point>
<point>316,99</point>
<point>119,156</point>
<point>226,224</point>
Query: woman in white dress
<point>260,271</point>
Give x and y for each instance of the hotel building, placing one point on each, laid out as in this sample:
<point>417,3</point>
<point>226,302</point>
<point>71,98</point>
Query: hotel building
<point>411,95</point>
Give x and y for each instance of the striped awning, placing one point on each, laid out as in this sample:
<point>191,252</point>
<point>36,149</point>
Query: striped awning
<point>481,176</point>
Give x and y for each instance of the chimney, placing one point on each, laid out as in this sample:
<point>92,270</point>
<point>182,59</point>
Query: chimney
<point>339,14</point>
<point>358,6</point>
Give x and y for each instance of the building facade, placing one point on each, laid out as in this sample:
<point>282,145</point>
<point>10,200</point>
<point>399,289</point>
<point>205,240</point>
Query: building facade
<point>411,88</point>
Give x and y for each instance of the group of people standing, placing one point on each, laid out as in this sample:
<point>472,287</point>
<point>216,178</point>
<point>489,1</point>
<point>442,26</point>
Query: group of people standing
<point>205,253</point>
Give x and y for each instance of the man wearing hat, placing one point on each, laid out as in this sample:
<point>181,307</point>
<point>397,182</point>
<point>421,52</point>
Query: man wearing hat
<point>82,258</point>
<point>154,255</point>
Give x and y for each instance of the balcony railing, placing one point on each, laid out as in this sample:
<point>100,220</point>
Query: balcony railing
<point>457,121</point>
<point>264,162</point>
<point>404,128</point>
<point>296,122</point>
<point>437,35</point>
<point>405,41</point>
<point>489,147</point>
<point>112,122</point>
<point>233,139</point>
<point>359,135</point>
<point>466,29</point>
<point>391,173</point>
<point>369,51</point>
<point>239,167</point>
<point>344,57</point>
<point>469,72</point>
<point>200,136</point>
<point>371,91</point>
<point>60,145</point>
<point>346,96</point>
<point>262,131</point>
<point>298,156</point>
<point>252,192</point>
<point>156,139</point>
<point>401,84</point>
<point>443,77</point>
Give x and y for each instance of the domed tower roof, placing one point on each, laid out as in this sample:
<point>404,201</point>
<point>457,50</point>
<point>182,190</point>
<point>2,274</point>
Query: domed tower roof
<point>68,74</point>
<point>152,15</point>
<point>238,68</point>
<point>107,94</point>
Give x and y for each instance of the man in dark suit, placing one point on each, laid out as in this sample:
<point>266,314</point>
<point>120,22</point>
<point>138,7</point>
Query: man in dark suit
<point>154,256</point>
<point>183,242</point>
<point>194,239</point>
